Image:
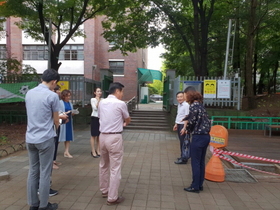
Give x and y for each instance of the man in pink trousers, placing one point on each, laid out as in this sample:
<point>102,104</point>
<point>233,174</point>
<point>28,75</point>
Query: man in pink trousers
<point>113,115</point>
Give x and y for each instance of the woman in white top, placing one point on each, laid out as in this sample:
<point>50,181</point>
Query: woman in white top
<point>95,123</point>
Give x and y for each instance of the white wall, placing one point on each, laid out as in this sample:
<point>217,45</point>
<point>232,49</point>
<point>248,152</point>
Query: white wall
<point>67,67</point>
<point>29,40</point>
<point>3,40</point>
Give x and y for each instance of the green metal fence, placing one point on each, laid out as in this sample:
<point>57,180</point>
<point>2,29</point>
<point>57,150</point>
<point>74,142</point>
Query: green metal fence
<point>13,116</point>
<point>246,123</point>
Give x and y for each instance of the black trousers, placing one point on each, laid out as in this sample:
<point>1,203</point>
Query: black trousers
<point>56,143</point>
<point>181,137</point>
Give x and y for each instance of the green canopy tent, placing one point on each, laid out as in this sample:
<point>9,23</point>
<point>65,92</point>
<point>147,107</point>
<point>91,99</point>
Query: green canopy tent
<point>147,75</point>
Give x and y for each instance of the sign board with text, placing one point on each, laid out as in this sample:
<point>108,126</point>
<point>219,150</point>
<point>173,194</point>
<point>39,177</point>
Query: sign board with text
<point>209,89</point>
<point>219,136</point>
<point>224,89</point>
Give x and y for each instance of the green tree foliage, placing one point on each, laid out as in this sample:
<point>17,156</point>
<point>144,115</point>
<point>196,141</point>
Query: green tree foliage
<point>156,87</point>
<point>182,26</point>
<point>11,67</point>
<point>66,18</point>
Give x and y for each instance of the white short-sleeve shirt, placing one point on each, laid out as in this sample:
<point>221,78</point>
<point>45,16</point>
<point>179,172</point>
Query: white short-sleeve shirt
<point>182,111</point>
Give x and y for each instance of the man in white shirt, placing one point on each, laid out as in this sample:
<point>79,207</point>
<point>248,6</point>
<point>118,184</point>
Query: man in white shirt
<point>182,111</point>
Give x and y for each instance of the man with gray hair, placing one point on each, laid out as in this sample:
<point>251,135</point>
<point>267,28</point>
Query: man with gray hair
<point>42,106</point>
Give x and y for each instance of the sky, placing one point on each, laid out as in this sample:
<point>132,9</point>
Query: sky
<point>154,61</point>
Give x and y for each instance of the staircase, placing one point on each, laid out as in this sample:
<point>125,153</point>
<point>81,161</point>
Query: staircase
<point>148,120</point>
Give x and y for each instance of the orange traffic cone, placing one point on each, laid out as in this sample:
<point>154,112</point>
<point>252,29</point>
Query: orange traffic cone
<point>214,170</point>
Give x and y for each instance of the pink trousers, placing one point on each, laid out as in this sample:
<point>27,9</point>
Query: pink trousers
<point>111,149</point>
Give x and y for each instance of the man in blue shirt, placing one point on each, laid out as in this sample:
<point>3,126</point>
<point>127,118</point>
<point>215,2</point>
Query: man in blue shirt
<point>42,106</point>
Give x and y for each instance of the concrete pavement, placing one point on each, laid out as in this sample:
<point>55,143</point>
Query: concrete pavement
<point>150,180</point>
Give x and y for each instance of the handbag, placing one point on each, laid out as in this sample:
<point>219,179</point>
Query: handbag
<point>186,151</point>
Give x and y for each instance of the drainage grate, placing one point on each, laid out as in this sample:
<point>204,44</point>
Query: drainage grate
<point>239,175</point>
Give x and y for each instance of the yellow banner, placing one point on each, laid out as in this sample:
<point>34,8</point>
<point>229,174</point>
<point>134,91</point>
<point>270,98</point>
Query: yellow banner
<point>64,85</point>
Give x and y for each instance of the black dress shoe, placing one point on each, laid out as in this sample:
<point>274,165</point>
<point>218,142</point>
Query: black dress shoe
<point>95,156</point>
<point>97,153</point>
<point>190,189</point>
<point>50,206</point>
<point>34,208</point>
<point>180,161</point>
<point>201,188</point>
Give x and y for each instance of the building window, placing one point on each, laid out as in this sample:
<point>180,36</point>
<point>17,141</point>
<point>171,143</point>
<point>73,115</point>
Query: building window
<point>72,52</point>
<point>117,67</point>
<point>3,52</point>
<point>35,52</point>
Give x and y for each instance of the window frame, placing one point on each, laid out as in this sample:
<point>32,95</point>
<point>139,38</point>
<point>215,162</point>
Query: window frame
<point>118,69</point>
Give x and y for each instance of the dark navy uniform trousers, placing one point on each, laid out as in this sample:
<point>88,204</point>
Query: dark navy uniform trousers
<point>181,137</point>
<point>199,146</point>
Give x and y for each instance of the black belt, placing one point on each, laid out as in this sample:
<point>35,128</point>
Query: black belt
<point>112,133</point>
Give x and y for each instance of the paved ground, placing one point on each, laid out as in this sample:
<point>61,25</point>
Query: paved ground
<point>150,179</point>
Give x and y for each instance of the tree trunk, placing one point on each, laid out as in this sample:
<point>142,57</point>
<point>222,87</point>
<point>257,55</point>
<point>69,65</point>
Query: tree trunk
<point>196,36</point>
<point>237,52</point>
<point>54,59</point>
<point>202,18</point>
<point>250,46</point>
<point>276,66</point>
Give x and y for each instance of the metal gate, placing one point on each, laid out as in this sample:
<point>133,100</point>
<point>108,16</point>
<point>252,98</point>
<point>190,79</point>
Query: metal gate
<point>166,98</point>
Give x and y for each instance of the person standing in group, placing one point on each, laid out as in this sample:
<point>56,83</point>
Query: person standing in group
<point>66,133</point>
<point>113,115</point>
<point>198,125</point>
<point>182,112</point>
<point>64,119</point>
<point>42,107</point>
<point>95,151</point>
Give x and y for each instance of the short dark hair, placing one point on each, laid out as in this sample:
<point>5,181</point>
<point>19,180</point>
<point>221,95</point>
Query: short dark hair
<point>179,93</point>
<point>57,87</point>
<point>115,86</point>
<point>49,75</point>
<point>189,88</point>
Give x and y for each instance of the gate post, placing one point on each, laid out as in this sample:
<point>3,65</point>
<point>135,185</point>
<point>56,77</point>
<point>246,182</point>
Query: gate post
<point>168,89</point>
<point>106,77</point>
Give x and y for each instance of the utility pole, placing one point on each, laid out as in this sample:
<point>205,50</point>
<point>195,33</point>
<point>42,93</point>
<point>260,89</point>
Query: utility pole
<point>227,49</point>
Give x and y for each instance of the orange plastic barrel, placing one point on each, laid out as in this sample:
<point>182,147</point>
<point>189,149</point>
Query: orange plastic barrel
<point>214,170</point>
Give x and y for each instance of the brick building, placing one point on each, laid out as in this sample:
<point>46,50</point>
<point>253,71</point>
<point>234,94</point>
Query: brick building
<point>82,56</point>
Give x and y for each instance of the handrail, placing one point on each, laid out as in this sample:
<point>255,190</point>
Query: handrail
<point>131,104</point>
<point>245,122</point>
